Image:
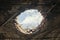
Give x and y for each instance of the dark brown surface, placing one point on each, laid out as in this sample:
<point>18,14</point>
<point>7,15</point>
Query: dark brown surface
<point>49,8</point>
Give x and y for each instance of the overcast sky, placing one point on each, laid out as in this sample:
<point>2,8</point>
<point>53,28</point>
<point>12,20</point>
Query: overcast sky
<point>29,18</point>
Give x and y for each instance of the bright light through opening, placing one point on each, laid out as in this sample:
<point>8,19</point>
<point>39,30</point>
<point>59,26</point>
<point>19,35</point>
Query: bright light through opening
<point>29,20</point>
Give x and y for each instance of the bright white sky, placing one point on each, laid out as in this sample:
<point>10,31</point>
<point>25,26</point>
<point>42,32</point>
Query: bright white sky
<point>29,18</point>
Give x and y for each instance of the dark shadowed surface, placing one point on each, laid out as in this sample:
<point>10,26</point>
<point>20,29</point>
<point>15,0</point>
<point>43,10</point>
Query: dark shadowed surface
<point>10,9</point>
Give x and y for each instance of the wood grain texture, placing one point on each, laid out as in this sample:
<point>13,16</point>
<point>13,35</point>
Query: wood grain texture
<point>50,29</point>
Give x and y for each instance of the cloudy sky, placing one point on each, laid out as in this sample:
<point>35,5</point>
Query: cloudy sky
<point>29,19</point>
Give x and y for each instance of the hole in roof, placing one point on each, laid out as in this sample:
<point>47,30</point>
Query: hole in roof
<point>29,21</point>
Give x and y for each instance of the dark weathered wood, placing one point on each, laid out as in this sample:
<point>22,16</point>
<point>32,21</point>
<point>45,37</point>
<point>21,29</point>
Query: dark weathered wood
<point>10,9</point>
